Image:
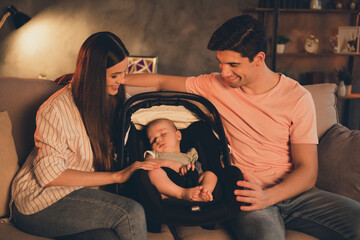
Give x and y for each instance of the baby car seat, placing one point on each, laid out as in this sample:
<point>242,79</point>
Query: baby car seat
<point>206,135</point>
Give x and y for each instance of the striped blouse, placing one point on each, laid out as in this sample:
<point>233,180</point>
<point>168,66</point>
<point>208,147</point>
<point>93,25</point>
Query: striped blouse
<point>62,143</point>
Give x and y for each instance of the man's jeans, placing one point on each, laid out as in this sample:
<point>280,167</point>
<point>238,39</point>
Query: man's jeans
<point>318,213</point>
<point>96,214</point>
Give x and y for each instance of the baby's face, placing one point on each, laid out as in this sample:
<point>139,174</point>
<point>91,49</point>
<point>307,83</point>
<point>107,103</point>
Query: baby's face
<point>164,137</point>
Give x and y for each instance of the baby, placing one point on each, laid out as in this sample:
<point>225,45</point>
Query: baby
<point>165,139</point>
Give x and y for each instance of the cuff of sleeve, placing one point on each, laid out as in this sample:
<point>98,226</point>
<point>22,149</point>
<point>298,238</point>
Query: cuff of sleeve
<point>48,169</point>
<point>151,153</point>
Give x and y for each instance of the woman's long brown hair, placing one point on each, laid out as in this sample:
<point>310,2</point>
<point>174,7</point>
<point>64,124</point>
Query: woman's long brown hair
<point>99,52</point>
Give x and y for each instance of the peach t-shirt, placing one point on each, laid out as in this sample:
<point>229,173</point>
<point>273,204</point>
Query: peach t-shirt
<point>261,127</point>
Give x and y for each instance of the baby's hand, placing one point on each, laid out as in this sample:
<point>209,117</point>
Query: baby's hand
<point>173,165</point>
<point>185,168</point>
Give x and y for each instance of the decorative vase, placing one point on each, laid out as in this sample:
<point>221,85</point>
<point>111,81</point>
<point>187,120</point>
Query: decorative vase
<point>280,48</point>
<point>341,91</point>
<point>315,4</point>
<point>338,5</point>
<point>348,89</point>
<point>352,5</point>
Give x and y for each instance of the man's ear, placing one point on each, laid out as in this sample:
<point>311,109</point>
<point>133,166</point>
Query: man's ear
<point>259,58</point>
<point>178,135</point>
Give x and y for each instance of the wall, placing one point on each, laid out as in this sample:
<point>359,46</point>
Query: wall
<point>177,31</point>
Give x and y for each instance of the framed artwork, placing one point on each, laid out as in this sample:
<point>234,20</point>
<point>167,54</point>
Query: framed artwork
<point>142,64</point>
<point>348,39</point>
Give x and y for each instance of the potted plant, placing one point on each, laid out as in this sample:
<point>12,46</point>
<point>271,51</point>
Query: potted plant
<point>280,43</point>
<point>345,79</point>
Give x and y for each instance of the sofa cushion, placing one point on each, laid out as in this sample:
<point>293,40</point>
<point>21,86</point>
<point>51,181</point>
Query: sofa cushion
<point>325,105</point>
<point>198,233</point>
<point>8,162</point>
<point>10,232</point>
<point>339,162</point>
<point>21,98</point>
<point>295,235</point>
<point>223,233</point>
<point>164,234</point>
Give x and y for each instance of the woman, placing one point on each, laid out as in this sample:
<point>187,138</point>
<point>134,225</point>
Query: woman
<point>51,192</point>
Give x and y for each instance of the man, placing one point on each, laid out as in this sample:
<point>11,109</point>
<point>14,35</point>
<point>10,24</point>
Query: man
<point>271,126</point>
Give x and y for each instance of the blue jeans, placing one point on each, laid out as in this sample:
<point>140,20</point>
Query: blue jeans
<point>318,213</point>
<point>87,214</point>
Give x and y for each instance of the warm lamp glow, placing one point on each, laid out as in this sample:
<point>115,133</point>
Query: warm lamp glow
<point>34,39</point>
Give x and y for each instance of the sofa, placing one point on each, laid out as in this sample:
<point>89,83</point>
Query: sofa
<point>338,149</point>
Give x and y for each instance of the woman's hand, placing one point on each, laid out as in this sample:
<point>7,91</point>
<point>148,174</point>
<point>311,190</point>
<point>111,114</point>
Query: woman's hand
<point>166,163</point>
<point>185,168</point>
<point>124,175</point>
<point>154,160</point>
<point>253,194</point>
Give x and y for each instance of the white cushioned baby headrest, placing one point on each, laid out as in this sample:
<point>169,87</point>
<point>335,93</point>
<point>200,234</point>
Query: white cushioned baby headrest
<point>181,116</point>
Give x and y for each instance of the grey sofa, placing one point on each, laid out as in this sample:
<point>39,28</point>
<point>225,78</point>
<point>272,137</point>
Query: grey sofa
<point>339,154</point>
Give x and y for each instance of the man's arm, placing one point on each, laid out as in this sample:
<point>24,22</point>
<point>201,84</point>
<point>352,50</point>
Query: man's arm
<point>302,178</point>
<point>158,81</point>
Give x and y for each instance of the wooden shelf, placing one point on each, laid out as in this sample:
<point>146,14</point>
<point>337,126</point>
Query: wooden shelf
<point>296,10</point>
<point>352,96</point>
<point>276,12</point>
<point>316,54</point>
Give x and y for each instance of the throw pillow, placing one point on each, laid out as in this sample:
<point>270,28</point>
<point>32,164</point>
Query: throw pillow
<point>339,162</point>
<point>8,162</point>
<point>325,105</point>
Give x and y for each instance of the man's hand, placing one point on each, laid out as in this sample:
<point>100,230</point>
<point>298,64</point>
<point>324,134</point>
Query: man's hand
<point>185,168</point>
<point>252,194</point>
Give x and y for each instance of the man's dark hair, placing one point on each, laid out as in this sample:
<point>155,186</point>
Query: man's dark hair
<point>243,34</point>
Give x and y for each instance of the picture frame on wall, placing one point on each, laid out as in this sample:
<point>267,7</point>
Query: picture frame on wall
<point>142,64</point>
<point>348,39</point>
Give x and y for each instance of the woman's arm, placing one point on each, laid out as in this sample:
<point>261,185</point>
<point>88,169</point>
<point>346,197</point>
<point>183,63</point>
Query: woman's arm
<point>165,163</point>
<point>57,139</point>
<point>158,81</point>
<point>91,179</point>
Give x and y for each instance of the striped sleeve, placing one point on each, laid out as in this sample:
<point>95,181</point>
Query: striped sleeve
<point>49,138</point>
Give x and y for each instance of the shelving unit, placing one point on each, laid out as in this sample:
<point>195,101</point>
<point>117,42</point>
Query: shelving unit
<point>317,54</point>
<point>345,104</point>
<point>295,10</point>
<point>264,13</point>
<point>299,24</point>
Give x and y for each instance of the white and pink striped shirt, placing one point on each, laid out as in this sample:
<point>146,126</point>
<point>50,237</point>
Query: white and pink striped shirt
<point>62,143</point>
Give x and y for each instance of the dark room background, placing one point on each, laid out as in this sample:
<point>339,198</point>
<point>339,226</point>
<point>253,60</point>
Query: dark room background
<point>177,31</point>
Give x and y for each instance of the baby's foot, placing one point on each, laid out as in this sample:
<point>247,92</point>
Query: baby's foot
<point>206,195</point>
<point>191,194</point>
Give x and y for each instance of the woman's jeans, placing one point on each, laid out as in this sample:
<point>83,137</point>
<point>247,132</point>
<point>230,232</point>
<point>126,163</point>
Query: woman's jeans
<point>318,213</point>
<point>87,214</point>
